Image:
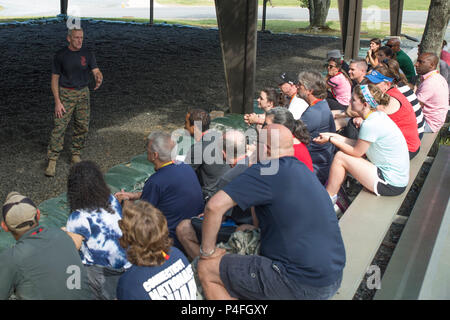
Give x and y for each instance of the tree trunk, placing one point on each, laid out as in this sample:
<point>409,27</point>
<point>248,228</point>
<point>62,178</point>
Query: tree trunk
<point>437,21</point>
<point>318,11</point>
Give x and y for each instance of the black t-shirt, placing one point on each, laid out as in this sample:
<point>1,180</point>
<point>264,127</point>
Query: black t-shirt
<point>73,67</point>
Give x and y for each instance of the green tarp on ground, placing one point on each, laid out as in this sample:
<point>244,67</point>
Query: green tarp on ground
<point>130,176</point>
<point>55,211</point>
<point>235,121</point>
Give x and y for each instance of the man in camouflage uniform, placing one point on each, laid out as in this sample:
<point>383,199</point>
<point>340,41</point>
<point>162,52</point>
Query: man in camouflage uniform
<point>70,78</point>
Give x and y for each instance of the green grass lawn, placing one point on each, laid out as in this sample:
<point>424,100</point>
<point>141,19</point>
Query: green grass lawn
<point>383,4</point>
<point>379,30</point>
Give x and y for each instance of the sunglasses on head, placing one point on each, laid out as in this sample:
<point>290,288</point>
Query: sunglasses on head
<point>8,206</point>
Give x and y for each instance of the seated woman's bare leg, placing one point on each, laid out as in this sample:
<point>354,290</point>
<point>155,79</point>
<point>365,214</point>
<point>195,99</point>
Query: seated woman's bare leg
<point>362,170</point>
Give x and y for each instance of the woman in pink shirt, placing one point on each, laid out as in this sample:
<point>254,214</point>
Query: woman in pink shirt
<point>339,84</point>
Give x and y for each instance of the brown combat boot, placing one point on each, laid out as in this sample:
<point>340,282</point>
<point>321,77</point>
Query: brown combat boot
<point>76,158</point>
<point>51,168</point>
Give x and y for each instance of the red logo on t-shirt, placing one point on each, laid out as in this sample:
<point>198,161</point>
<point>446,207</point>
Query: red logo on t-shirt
<point>83,61</point>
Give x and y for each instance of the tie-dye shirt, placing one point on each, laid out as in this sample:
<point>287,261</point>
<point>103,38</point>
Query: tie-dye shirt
<point>101,233</point>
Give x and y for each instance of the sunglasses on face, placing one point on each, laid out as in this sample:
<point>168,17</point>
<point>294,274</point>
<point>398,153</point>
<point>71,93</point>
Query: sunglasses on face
<point>8,206</point>
<point>330,66</point>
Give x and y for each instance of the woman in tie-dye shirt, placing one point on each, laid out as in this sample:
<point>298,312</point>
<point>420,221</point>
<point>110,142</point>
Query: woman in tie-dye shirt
<point>93,222</point>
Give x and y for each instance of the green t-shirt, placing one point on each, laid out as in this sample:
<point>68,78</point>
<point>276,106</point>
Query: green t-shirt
<point>43,264</point>
<point>406,65</point>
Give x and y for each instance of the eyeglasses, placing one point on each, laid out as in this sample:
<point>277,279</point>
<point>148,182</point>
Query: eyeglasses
<point>8,206</point>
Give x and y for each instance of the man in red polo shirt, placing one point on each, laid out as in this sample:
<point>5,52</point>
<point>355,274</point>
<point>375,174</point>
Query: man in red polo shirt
<point>70,79</point>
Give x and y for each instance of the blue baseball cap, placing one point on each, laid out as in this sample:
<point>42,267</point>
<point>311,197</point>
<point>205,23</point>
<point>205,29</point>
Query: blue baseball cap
<point>376,77</point>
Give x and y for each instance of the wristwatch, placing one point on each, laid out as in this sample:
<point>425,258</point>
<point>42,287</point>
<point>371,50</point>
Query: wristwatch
<point>207,254</point>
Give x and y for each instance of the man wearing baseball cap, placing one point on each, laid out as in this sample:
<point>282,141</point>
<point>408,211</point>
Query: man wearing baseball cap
<point>287,84</point>
<point>44,263</point>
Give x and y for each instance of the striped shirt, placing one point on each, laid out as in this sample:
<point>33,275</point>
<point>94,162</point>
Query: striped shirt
<point>412,98</point>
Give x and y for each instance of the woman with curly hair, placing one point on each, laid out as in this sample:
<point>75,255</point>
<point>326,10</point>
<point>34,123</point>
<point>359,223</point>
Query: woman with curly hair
<point>386,172</point>
<point>159,270</point>
<point>93,225</point>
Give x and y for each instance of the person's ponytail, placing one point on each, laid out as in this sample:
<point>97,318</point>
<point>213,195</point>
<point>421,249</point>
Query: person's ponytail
<point>301,133</point>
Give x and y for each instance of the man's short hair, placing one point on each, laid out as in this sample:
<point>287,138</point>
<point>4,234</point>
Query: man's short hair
<point>162,143</point>
<point>313,80</point>
<point>432,57</point>
<point>71,30</point>
<point>199,115</point>
<point>234,144</point>
<point>361,63</point>
<point>19,212</point>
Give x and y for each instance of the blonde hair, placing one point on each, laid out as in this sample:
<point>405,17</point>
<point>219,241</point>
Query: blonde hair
<point>145,235</point>
<point>378,96</point>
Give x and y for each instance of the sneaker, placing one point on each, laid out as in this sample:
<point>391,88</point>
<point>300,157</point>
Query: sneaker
<point>76,158</point>
<point>334,199</point>
<point>51,168</point>
<point>336,208</point>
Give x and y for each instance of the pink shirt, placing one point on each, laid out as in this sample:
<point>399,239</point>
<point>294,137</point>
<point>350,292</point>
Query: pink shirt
<point>433,94</point>
<point>341,89</point>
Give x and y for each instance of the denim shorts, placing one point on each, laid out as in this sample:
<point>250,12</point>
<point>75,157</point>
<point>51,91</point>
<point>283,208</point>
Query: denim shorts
<point>259,278</point>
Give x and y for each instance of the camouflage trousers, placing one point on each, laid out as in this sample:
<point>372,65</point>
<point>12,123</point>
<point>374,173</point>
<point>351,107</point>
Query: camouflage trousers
<point>77,105</point>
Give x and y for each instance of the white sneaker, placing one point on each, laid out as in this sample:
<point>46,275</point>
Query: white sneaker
<point>335,206</point>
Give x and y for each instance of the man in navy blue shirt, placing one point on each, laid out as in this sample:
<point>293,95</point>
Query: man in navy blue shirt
<point>302,253</point>
<point>173,188</point>
<point>317,117</point>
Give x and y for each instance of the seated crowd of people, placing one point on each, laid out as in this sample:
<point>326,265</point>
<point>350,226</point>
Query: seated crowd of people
<point>365,119</point>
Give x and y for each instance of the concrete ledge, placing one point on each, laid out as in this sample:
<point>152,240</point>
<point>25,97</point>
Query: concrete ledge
<point>366,222</point>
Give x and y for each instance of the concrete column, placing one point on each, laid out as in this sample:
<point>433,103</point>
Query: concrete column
<point>396,15</point>
<point>237,21</point>
<point>63,5</point>
<point>350,12</point>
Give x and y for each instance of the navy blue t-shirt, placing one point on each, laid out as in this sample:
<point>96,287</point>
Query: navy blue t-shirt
<point>175,190</point>
<point>299,227</point>
<point>318,118</point>
<point>73,67</point>
<point>173,280</point>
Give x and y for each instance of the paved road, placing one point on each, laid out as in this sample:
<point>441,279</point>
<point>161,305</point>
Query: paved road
<point>140,9</point>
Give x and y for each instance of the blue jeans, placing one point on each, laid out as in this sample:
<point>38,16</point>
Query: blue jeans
<point>427,128</point>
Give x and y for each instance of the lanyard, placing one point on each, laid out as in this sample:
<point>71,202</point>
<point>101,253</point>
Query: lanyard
<point>430,75</point>
<point>315,101</point>
<point>239,159</point>
<point>36,232</point>
<point>166,164</point>
<point>368,114</point>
